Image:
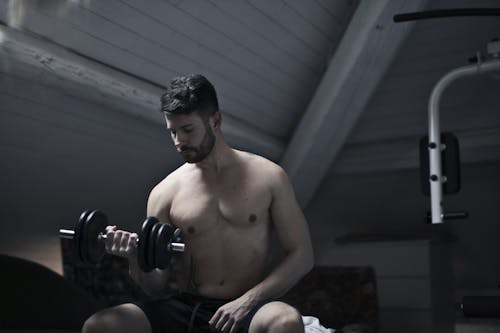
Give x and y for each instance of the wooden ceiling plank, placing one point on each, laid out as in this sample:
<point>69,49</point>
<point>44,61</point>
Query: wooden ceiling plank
<point>367,50</point>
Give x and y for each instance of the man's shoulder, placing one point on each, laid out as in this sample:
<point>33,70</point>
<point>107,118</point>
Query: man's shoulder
<point>168,184</point>
<point>262,165</point>
<point>269,173</point>
<point>162,195</point>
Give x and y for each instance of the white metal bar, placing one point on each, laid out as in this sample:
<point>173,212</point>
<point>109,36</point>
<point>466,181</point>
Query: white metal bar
<point>435,167</point>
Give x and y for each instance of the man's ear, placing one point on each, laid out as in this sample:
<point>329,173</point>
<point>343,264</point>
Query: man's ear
<point>217,119</point>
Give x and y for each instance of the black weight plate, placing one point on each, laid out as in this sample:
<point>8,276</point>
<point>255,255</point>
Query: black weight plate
<point>143,243</point>
<point>94,248</point>
<point>77,238</point>
<point>152,245</point>
<point>83,243</point>
<point>163,237</point>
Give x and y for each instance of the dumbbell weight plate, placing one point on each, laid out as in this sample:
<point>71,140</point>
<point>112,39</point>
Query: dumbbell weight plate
<point>163,237</point>
<point>93,249</point>
<point>146,227</point>
<point>79,226</point>
<point>152,245</point>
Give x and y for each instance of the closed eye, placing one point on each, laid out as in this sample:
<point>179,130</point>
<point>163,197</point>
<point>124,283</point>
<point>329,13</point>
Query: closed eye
<point>187,128</point>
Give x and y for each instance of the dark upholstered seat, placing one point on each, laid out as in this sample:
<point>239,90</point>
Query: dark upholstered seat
<point>32,297</point>
<point>344,298</point>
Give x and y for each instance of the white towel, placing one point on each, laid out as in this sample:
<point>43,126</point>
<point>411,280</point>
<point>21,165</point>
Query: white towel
<point>312,325</point>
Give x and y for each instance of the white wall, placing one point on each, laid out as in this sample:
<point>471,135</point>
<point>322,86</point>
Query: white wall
<point>61,154</point>
<point>392,202</point>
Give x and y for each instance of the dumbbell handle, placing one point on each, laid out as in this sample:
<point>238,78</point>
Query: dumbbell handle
<point>66,233</point>
<point>70,234</point>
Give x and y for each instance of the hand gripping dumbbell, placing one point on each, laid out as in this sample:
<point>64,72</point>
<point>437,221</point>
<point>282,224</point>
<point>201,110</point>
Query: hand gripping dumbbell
<point>155,245</point>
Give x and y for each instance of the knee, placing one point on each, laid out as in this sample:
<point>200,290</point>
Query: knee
<point>92,324</point>
<point>99,322</point>
<point>289,320</point>
<point>124,318</point>
<point>277,317</point>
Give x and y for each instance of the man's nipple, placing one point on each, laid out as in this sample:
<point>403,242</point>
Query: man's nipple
<point>252,218</point>
<point>191,230</point>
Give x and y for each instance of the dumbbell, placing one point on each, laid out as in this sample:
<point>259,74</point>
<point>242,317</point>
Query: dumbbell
<point>155,245</point>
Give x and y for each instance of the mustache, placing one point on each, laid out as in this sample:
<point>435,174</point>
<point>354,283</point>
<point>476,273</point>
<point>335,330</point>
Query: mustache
<point>185,149</point>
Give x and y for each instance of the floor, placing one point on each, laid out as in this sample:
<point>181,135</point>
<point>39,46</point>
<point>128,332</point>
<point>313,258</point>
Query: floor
<point>478,325</point>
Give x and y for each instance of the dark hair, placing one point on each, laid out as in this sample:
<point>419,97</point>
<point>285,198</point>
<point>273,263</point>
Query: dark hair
<point>190,93</point>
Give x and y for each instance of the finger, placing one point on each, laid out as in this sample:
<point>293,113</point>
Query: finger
<point>222,321</point>
<point>124,242</point>
<point>132,244</point>
<point>110,228</point>
<point>116,241</point>
<point>110,235</point>
<point>235,327</point>
<point>215,318</point>
<point>227,325</point>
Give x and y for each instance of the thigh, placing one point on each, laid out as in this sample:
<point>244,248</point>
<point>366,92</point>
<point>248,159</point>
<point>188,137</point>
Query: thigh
<point>276,316</point>
<point>170,315</point>
<point>122,318</point>
<point>180,313</point>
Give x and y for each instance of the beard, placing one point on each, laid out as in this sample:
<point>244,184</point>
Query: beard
<point>198,154</point>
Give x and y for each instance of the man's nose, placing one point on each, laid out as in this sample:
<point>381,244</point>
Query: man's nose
<point>180,140</point>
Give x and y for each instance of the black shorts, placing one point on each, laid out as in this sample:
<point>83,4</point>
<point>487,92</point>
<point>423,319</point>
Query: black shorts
<point>186,313</point>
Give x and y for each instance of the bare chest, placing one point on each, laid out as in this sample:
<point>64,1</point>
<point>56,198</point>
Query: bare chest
<point>202,209</point>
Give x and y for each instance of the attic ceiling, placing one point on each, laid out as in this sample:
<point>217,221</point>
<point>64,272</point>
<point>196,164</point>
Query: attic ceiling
<point>386,136</point>
<point>300,82</point>
<point>264,57</point>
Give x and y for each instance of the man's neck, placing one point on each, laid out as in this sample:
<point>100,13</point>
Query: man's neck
<point>221,156</point>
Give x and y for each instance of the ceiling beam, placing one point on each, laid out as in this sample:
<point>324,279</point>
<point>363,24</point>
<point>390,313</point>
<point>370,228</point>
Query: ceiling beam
<point>366,51</point>
<point>83,77</point>
<point>476,146</point>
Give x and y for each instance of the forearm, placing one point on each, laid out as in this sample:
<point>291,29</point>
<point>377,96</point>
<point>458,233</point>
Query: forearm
<point>291,269</point>
<point>153,282</point>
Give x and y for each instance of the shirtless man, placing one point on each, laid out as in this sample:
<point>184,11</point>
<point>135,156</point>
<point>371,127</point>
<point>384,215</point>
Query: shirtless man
<point>225,201</point>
